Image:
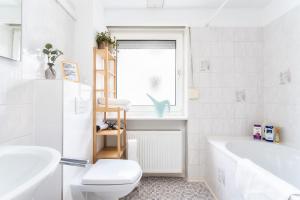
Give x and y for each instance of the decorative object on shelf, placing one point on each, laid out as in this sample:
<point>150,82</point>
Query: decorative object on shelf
<point>104,40</point>
<point>70,71</point>
<point>52,54</point>
<point>160,106</point>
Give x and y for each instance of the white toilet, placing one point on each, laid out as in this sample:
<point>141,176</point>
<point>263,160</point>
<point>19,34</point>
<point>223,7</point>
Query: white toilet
<point>107,180</point>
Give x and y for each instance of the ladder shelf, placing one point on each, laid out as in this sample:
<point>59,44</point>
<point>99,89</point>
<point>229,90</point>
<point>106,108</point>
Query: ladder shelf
<point>107,92</point>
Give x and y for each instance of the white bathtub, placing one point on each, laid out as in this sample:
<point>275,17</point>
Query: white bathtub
<point>280,162</point>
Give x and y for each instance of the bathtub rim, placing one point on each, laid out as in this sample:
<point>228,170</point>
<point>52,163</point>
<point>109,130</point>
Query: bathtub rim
<point>220,142</point>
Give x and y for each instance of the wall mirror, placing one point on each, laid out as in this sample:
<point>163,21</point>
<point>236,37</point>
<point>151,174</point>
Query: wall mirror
<point>10,29</point>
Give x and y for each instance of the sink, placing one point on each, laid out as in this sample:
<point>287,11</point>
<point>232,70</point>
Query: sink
<point>23,168</point>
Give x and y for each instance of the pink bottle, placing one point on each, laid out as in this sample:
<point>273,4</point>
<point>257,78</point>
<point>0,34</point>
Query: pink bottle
<point>257,132</point>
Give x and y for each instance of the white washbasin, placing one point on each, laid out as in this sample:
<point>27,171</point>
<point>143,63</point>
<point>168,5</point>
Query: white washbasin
<point>22,168</point>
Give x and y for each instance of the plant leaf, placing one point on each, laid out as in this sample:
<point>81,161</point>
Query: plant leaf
<point>45,51</point>
<point>48,46</point>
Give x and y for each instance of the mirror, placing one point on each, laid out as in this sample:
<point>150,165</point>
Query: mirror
<point>10,29</point>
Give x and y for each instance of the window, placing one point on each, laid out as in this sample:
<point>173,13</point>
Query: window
<point>146,67</point>
<point>151,62</point>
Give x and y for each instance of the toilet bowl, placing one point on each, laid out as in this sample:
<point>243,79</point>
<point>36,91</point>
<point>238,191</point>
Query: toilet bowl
<point>107,180</point>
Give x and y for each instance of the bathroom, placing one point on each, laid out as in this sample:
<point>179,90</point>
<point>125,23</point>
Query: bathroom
<point>199,78</point>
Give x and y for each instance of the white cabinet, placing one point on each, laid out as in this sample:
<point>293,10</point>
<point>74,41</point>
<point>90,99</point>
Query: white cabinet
<point>62,113</point>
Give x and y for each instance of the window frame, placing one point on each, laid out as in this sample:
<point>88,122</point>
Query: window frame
<point>178,35</point>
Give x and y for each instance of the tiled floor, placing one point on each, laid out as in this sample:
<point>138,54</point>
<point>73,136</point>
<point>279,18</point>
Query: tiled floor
<point>169,188</point>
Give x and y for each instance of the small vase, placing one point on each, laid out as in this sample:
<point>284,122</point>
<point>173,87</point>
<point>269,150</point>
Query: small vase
<point>50,73</point>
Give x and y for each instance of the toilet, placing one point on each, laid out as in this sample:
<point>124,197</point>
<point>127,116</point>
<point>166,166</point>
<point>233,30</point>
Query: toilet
<point>107,180</point>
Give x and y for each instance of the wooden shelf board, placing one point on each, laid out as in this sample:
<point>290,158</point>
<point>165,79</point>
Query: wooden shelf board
<point>109,132</point>
<point>109,152</point>
<point>108,109</point>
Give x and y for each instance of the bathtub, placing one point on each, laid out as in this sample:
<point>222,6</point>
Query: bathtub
<point>279,161</point>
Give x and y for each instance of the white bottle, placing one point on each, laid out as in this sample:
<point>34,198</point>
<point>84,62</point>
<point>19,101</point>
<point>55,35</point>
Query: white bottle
<point>269,133</point>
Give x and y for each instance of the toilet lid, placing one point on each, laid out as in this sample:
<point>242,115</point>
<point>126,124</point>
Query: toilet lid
<point>112,172</point>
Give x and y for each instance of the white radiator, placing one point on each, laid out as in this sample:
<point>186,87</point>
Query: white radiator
<point>159,151</point>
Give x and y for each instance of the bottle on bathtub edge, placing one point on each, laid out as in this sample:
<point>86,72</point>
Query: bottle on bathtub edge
<point>277,135</point>
<point>269,133</point>
<point>257,132</point>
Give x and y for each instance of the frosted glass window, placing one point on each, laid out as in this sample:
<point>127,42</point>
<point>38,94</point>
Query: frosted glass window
<point>146,67</point>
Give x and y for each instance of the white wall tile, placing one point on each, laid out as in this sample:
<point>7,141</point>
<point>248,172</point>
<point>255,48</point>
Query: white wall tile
<point>16,90</point>
<point>281,53</point>
<point>236,64</point>
<point>193,157</point>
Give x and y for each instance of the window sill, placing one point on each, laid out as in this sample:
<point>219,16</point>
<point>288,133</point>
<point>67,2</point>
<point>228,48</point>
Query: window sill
<point>147,116</point>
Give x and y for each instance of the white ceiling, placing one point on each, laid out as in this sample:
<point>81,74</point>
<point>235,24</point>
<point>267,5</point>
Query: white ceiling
<point>186,3</point>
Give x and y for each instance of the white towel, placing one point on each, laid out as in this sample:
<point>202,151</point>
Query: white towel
<point>123,103</point>
<point>114,101</point>
<point>255,183</point>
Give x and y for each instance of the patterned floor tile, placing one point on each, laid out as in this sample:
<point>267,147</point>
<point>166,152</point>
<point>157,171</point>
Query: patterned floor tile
<point>169,188</point>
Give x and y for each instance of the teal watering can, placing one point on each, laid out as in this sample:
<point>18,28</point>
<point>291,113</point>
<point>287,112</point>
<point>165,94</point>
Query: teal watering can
<point>160,106</point>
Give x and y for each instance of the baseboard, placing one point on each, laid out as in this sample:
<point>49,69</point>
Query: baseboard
<point>210,190</point>
<point>164,174</point>
<point>206,184</point>
<point>195,180</point>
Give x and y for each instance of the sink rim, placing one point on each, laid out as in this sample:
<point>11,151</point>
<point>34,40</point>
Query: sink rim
<point>51,165</point>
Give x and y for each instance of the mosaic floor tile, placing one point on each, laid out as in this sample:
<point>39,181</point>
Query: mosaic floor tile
<point>169,188</point>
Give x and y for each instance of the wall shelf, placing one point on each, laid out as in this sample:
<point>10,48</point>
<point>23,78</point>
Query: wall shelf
<point>107,91</point>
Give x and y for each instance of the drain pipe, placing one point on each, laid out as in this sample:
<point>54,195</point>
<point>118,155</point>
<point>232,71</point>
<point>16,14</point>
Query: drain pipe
<point>214,15</point>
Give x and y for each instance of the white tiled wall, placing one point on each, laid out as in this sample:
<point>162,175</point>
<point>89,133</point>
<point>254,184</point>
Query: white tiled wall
<point>16,116</point>
<point>230,97</point>
<point>282,54</point>
<point>16,88</point>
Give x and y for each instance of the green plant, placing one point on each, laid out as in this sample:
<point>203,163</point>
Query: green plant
<point>51,53</point>
<point>105,38</point>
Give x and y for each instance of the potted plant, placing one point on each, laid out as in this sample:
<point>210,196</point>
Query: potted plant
<point>52,54</point>
<point>104,40</point>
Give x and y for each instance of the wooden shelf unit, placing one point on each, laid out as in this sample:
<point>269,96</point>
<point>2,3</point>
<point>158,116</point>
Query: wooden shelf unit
<point>107,92</point>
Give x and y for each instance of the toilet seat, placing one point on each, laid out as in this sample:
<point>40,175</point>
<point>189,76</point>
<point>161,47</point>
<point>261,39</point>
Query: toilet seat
<point>107,180</point>
<point>112,172</point>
